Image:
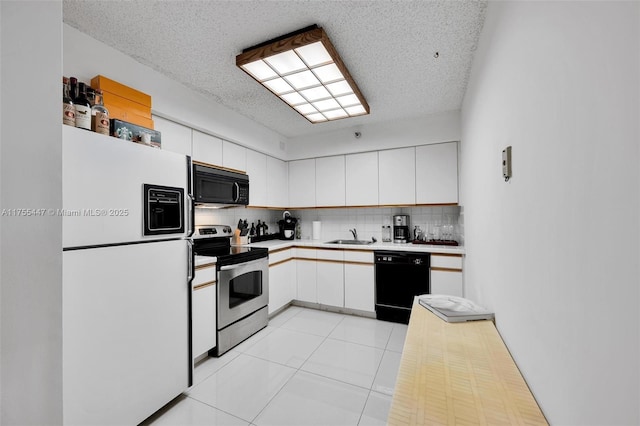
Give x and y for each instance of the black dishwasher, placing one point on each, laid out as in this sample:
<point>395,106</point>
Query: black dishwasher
<point>400,276</point>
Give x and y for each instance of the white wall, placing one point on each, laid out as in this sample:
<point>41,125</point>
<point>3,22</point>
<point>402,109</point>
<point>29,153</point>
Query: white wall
<point>31,246</point>
<point>85,57</point>
<point>412,131</point>
<point>554,252</point>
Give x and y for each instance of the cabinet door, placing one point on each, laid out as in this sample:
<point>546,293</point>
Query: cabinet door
<point>234,156</point>
<point>446,274</point>
<point>204,319</point>
<point>306,275</point>
<point>362,179</point>
<point>175,137</point>
<point>437,173</point>
<point>397,176</point>
<point>330,181</point>
<point>359,281</point>
<point>204,310</point>
<point>446,282</point>
<point>282,288</point>
<point>257,171</point>
<point>302,183</point>
<point>330,277</point>
<point>277,186</point>
<point>206,148</point>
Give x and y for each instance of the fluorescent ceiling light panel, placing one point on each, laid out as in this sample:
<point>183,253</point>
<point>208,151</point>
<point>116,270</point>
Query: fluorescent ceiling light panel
<point>339,88</point>
<point>278,86</point>
<point>315,118</point>
<point>314,54</point>
<point>293,98</point>
<point>316,93</point>
<point>356,110</point>
<point>334,114</point>
<point>326,105</point>
<point>328,73</point>
<point>348,100</point>
<point>260,70</point>
<point>305,109</point>
<point>303,68</point>
<point>302,80</point>
<point>285,62</point>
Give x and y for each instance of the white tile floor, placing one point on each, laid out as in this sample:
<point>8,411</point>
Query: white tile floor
<point>307,367</point>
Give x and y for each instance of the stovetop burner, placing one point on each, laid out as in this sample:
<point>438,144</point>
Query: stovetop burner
<point>215,240</point>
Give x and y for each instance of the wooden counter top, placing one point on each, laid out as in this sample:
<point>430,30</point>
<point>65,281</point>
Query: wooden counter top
<point>459,373</point>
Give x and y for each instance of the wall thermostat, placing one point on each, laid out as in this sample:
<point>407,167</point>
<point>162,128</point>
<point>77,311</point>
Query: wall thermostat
<point>506,163</point>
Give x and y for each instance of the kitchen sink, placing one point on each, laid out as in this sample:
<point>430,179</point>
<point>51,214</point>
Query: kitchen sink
<point>357,242</point>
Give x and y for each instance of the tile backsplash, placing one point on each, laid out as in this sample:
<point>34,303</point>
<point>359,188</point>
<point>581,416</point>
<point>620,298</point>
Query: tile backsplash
<point>337,222</point>
<point>368,221</point>
<point>231,216</point>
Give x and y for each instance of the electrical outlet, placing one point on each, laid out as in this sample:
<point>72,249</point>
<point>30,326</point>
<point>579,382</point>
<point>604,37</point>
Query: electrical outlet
<point>506,163</point>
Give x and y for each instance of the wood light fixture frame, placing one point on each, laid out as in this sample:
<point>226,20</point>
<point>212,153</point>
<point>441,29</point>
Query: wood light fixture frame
<point>322,96</point>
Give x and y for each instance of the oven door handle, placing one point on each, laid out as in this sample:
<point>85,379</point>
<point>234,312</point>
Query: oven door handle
<point>262,262</point>
<point>229,267</point>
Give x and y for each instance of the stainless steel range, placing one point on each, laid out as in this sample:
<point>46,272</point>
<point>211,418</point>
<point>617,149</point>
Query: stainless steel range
<point>242,285</point>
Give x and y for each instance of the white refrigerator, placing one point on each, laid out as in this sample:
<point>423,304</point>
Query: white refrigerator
<point>126,295</point>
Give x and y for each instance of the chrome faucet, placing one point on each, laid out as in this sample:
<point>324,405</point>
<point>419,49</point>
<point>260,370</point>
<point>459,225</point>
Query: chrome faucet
<point>354,232</point>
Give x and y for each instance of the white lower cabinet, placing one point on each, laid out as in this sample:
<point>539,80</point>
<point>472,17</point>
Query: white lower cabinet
<point>446,275</point>
<point>330,277</point>
<point>344,278</point>
<point>446,282</point>
<point>204,310</point>
<point>359,281</point>
<point>306,290</point>
<point>282,279</point>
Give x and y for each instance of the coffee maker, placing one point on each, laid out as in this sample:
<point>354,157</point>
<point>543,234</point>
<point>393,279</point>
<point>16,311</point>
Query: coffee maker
<point>287,226</point>
<point>401,228</point>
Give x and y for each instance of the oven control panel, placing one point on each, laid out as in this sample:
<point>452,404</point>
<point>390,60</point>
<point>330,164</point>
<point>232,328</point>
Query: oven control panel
<point>211,231</point>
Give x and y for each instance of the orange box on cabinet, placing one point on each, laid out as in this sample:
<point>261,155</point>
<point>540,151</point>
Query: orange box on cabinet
<point>119,89</point>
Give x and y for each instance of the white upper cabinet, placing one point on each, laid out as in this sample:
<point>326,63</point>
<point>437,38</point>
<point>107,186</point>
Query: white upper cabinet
<point>362,179</point>
<point>234,156</point>
<point>257,171</point>
<point>175,137</point>
<point>397,176</point>
<point>330,181</point>
<point>206,148</point>
<point>302,183</point>
<point>436,173</point>
<point>277,186</point>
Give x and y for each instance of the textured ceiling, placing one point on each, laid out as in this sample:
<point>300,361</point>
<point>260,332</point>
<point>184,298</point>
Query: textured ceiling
<point>388,47</point>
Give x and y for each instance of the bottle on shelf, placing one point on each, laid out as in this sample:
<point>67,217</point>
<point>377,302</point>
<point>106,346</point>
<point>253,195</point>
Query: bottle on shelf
<point>259,229</point>
<point>252,231</point>
<point>73,87</point>
<point>83,108</point>
<point>90,94</point>
<point>99,115</point>
<point>68,110</point>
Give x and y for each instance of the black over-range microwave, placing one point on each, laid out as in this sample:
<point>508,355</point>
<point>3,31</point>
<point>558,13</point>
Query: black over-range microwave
<point>212,185</point>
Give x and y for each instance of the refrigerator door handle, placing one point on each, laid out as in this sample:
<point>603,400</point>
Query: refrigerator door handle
<point>190,262</point>
<point>190,215</point>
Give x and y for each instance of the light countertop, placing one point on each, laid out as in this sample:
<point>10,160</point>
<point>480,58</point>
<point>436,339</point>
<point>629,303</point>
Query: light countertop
<point>283,244</point>
<point>453,373</point>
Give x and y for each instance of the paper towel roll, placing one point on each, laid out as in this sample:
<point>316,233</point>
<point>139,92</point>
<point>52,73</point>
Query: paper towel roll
<point>317,229</point>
